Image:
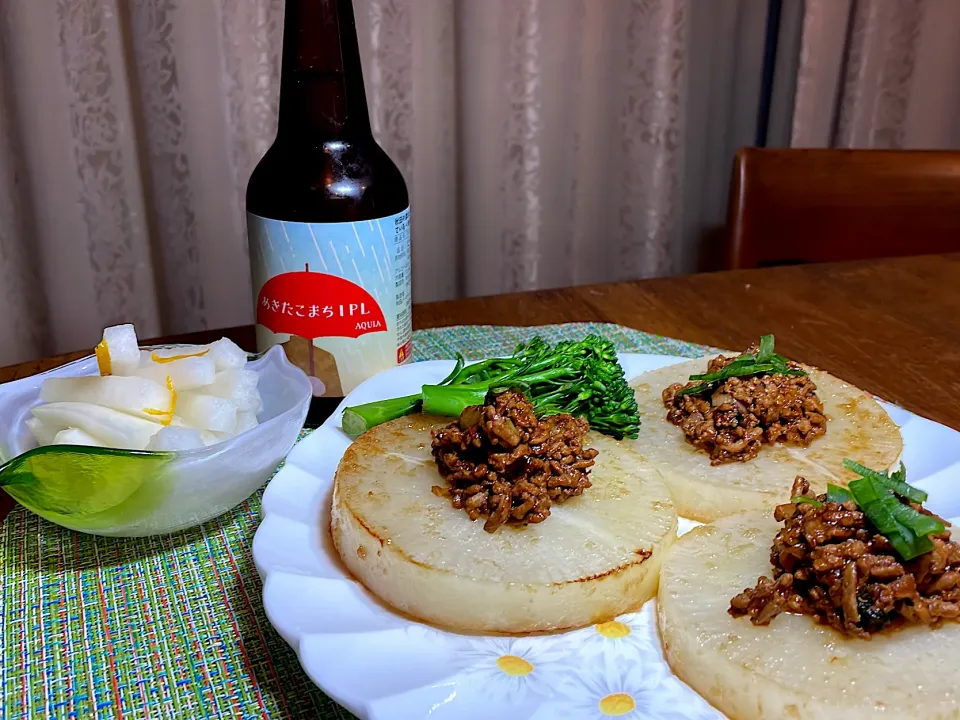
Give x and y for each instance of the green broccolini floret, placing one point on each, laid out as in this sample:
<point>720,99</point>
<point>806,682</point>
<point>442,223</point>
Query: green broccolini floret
<point>582,378</point>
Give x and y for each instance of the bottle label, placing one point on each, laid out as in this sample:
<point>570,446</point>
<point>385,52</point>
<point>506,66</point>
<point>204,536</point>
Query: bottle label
<point>336,296</point>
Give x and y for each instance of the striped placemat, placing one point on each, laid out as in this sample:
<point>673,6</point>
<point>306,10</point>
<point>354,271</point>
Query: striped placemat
<point>173,626</point>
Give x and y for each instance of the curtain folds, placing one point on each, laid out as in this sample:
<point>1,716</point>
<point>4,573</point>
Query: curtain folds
<point>545,142</point>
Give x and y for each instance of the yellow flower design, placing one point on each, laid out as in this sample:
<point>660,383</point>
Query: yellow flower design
<point>510,669</point>
<point>626,638</point>
<point>513,665</point>
<point>617,704</point>
<point>613,630</point>
<point>612,688</point>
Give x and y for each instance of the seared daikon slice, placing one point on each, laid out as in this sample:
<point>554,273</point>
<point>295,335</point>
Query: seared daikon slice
<point>793,667</point>
<point>186,374</point>
<point>176,438</point>
<point>75,436</point>
<point>116,429</point>
<point>597,556</point>
<point>118,352</point>
<point>135,395</point>
<point>857,426</point>
<point>206,412</point>
<point>237,386</point>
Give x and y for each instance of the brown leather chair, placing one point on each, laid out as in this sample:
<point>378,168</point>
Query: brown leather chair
<point>807,206</point>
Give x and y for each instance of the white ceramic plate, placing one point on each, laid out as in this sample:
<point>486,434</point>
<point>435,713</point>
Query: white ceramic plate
<point>383,666</point>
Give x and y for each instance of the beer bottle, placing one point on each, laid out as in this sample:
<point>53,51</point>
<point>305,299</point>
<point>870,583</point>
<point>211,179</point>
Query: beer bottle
<point>328,217</point>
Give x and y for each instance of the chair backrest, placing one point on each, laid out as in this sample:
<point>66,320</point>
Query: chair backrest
<point>806,206</point>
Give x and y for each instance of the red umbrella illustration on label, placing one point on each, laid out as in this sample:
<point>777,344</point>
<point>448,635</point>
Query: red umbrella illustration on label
<point>309,305</point>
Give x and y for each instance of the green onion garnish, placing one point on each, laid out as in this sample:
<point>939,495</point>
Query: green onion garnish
<point>921,524</point>
<point>896,482</point>
<point>764,361</point>
<point>878,494</point>
<point>869,495</point>
<point>837,494</point>
<point>803,499</point>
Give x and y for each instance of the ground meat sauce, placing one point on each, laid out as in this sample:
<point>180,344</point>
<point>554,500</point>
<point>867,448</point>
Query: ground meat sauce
<point>732,420</point>
<point>829,563</point>
<point>502,463</point>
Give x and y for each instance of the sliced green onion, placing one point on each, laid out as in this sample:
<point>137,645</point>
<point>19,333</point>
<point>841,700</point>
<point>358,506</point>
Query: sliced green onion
<point>837,494</point>
<point>897,522</point>
<point>766,348</point>
<point>765,361</point>
<point>865,491</point>
<point>804,500</point>
<point>901,488</point>
<point>896,482</point>
<point>734,370</point>
<point>919,523</point>
<point>909,545</point>
<point>900,474</point>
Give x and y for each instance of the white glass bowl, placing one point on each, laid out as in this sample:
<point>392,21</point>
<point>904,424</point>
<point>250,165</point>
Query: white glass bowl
<point>134,493</point>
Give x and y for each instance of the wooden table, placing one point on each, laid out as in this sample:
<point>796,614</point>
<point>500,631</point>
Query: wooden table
<point>891,327</point>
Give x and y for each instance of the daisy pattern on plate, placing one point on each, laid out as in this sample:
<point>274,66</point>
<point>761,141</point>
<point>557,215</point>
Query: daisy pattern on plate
<point>628,637</point>
<point>615,689</point>
<point>510,669</point>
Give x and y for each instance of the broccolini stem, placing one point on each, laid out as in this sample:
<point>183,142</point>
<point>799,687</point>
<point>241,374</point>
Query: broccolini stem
<point>534,378</point>
<point>465,373</point>
<point>451,400</point>
<point>360,418</point>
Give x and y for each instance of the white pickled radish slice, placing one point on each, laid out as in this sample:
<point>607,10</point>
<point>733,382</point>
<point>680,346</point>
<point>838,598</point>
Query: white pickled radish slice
<point>44,435</point>
<point>227,355</point>
<point>206,412</point>
<point>116,429</point>
<point>207,437</point>
<point>167,355</point>
<point>246,420</point>
<point>75,436</point>
<point>237,386</point>
<point>176,438</point>
<point>186,374</point>
<point>118,353</point>
<point>138,396</point>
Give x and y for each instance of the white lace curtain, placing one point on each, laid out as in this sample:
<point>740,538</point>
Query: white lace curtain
<point>545,142</point>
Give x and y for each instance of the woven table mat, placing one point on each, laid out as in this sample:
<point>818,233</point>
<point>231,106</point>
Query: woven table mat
<point>173,626</point>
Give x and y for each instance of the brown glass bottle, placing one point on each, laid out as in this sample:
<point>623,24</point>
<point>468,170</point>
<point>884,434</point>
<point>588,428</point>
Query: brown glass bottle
<point>323,182</point>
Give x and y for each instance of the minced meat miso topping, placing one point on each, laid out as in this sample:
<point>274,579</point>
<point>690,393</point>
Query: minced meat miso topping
<point>503,463</point>
<point>831,560</point>
<point>741,403</point>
